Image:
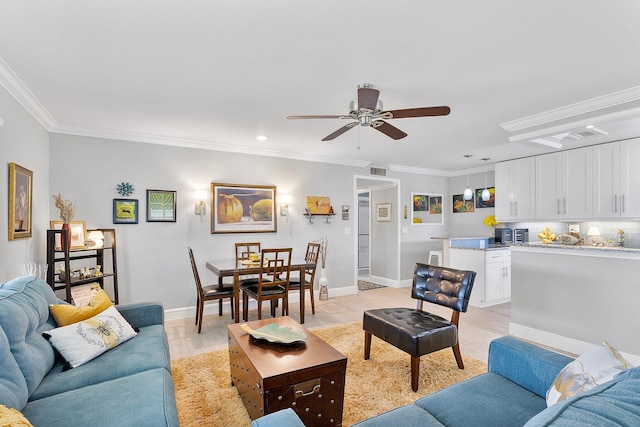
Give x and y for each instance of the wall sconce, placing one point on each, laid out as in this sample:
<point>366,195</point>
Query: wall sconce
<point>201,204</point>
<point>285,199</point>
<point>97,237</point>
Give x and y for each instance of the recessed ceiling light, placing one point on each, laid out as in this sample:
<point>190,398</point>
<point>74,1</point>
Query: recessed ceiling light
<point>262,138</point>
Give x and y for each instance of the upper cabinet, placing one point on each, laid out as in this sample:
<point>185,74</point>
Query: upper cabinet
<point>615,176</point>
<point>515,190</point>
<point>564,185</point>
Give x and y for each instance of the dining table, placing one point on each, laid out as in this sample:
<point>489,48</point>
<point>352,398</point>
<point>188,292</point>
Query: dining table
<point>231,268</point>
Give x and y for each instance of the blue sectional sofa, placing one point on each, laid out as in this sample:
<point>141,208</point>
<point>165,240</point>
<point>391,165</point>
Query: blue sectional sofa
<point>511,393</point>
<point>130,384</point>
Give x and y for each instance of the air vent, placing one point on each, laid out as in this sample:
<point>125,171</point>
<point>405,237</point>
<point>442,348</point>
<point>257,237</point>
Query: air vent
<point>555,141</point>
<point>374,170</point>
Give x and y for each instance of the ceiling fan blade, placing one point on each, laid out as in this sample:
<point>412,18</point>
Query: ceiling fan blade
<point>339,132</point>
<point>419,112</point>
<point>314,117</point>
<point>368,98</point>
<point>389,130</point>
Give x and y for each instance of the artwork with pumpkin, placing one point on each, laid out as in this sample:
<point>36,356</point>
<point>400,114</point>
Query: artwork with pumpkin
<point>242,208</point>
<point>318,205</point>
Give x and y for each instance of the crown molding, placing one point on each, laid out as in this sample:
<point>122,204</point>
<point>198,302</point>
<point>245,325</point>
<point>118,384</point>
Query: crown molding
<point>588,106</point>
<point>605,118</point>
<point>16,88</point>
<point>417,170</point>
<point>70,129</point>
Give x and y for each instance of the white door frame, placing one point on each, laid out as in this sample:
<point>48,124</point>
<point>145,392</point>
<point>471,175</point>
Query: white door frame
<point>397,211</point>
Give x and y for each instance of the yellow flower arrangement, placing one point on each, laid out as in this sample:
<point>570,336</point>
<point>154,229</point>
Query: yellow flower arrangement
<point>490,221</point>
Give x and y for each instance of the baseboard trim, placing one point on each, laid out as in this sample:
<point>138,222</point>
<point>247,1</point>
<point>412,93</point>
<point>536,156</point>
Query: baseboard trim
<point>212,308</point>
<point>564,344</point>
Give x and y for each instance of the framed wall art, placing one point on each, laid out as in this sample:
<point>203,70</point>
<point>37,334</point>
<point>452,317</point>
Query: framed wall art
<point>383,212</point>
<point>161,206</point>
<point>460,205</point>
<point>78,234</point>
<point>238,208</point>
<point>125,211</point>
<point>491,203</point>
<point>20,197</point>
<point>426,209</point>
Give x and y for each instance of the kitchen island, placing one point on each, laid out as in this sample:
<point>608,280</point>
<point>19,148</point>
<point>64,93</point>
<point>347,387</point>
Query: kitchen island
<point>574,297</point>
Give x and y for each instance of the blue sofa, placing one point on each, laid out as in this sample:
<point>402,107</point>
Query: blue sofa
<point>130,384</point>
<point>511,393</point>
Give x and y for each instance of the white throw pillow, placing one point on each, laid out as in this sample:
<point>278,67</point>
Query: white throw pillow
<point>596,366</point>
<point>81,342</point>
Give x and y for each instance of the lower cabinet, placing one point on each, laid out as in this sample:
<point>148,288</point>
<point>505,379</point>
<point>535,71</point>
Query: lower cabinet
<point>493,274</point>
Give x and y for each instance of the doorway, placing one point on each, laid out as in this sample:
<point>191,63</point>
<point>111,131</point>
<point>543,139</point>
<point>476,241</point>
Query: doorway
<point>377,241</point>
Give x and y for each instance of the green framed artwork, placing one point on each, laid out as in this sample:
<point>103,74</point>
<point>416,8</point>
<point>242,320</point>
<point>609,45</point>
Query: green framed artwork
<point>161,206</point>
<point>125,211</point>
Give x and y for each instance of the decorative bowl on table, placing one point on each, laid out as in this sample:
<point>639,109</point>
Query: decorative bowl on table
<point>276,334</point>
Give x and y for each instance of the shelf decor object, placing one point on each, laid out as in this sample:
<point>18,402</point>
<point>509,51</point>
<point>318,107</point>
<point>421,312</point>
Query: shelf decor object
<point>20,197</point>
<point>238,208</point>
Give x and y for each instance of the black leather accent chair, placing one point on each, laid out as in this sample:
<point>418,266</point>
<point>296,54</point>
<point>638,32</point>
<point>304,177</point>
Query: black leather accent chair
<point>418,332</point>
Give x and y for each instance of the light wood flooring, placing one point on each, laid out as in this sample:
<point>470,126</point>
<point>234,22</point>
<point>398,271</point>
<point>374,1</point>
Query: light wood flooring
<point>478,326</point>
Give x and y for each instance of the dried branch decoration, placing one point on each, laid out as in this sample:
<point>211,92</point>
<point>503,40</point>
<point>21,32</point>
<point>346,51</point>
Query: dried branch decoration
<point>65,208</point>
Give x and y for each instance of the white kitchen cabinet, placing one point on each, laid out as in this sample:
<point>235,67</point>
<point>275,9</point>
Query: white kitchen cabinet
<point>564,188</point>
<point>616,178</point>
<point>492,284</point>
<point>515,190</point>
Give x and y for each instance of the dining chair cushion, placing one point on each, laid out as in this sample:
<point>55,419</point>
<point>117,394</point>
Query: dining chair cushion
<point>253,290</point>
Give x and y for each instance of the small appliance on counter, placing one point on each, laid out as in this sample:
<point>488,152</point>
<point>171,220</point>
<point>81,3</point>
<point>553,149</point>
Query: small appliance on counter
<point>521,235</point>
<point>504,235</point>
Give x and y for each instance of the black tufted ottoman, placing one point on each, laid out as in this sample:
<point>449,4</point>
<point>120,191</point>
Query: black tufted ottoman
<point>418,332</point>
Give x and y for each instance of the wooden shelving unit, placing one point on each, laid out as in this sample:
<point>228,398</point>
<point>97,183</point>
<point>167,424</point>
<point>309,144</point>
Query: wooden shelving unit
<point>70,260</point>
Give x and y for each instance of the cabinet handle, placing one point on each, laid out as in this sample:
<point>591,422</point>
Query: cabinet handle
<point>615,203</point>
<point>516,210</point>
<point>558,206</point>
<point>622,207</point>
<point>564,205</point>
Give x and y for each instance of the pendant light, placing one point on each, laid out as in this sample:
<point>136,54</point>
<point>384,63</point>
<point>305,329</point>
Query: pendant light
<point>486,194</point>
<point>468,193</point>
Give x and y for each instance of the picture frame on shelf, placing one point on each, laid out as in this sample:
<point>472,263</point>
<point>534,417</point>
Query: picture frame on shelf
<point>383,212</point>
<point>78,234</point>
<point>239,208</point>
<point>125,211</point>
<point>161,206</point>
<point>20,202</point>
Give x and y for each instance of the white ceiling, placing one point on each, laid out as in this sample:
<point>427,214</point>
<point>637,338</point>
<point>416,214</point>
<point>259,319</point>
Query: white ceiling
<point>216,74</point>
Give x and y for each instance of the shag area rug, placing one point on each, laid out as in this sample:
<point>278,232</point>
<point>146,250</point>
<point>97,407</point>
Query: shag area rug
<point>365,286</point>
<point>205,395</point>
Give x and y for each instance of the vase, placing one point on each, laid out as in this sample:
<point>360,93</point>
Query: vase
<point>65,237</point>
<point>324,292</point>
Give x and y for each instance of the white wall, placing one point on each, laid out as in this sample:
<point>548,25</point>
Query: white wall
<point>152,257</point>
<point>25,142</point>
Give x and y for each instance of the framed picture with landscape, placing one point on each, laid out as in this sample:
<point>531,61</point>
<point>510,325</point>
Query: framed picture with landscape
<point>161,206</point>
<point>237,208</point>
<point>20,197</point>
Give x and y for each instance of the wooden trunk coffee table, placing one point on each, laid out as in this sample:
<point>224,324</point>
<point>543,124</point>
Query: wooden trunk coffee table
<point>307,377</point>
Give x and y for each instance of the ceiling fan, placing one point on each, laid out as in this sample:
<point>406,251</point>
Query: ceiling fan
<point>368,111</point>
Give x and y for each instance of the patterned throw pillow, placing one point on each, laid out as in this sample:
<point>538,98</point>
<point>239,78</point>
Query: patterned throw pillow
<point>596,366</point>
<point>81,342</point>
<point>66,314</point>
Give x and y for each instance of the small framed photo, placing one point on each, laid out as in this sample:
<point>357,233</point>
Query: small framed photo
<point>125,211</point>
<point>161,206</point>
<point>345,208</point>
<point>383,212</point>
<point>345,216</point>
<point>78,234</point>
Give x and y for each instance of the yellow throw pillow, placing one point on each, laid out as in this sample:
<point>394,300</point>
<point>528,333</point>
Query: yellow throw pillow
<point>66,314</point>
<point>12,417</point>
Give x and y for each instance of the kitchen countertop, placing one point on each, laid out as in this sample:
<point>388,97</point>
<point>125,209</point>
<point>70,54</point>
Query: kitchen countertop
<point>579,247</point>
<point>491,247</point>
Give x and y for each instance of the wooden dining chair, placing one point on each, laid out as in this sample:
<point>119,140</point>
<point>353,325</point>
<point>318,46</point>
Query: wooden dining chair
<point>272,283</point>
<point>311,257</point>
<point>244,250</point>
<point>207,293</point>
